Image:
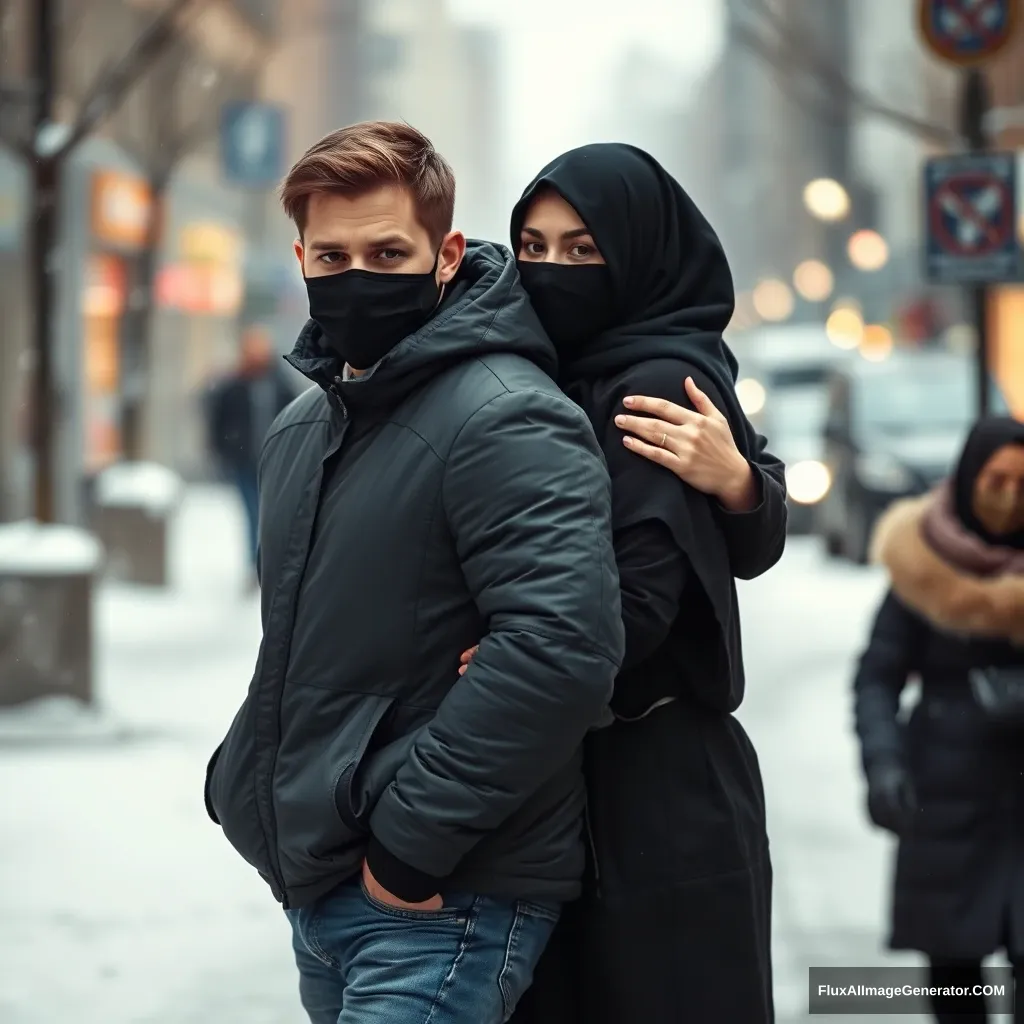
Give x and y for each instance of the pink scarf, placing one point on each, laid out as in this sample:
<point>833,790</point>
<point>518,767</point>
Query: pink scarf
<point>948,538</point>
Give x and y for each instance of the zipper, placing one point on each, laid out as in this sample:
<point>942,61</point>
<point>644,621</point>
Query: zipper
<point>335,395</point>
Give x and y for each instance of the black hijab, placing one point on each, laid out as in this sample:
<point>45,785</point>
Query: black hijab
<point>987,437</point>
<point>672,296</point>
<point>672,288</point>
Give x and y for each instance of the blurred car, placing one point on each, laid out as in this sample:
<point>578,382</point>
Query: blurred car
<point>893,430</point>
<point>783,388</point>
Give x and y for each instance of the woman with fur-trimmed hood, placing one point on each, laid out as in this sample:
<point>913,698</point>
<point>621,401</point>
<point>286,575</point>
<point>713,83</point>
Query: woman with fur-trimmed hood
<point>950,780</point>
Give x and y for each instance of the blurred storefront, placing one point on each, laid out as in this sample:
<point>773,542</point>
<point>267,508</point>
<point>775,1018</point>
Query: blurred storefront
<point>120,210</point>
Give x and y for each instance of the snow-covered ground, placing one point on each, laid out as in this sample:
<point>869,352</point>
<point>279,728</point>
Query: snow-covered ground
<point>120,903</point>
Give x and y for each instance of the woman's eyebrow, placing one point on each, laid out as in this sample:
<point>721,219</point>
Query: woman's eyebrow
<point>575,233</point>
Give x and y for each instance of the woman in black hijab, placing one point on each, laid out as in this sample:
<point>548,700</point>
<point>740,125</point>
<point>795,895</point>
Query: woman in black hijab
<point>633,287</point>
<point>949,782</point>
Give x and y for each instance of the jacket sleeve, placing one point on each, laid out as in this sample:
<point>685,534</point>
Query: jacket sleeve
<point>528,501</point>
<point>892,654</point>
<point>757,538</point>
<point>652,576</point>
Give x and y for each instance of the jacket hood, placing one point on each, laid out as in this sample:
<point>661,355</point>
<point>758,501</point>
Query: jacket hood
<point>953,601</point>
<point>485,312</point>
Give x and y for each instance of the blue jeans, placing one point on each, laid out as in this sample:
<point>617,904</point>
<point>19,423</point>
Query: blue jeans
<point>362,962</point>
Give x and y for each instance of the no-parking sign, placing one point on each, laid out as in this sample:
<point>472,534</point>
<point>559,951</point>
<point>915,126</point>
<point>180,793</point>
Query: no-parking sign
<point>971,219</point>
<point>967,32</point>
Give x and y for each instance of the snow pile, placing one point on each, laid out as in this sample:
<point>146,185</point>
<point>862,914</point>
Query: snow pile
<point>144,485</point>
<point>32,549</point>
<point>52,719</point>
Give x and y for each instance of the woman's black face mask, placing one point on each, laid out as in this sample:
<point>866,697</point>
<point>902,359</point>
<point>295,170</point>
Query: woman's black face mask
<point>574,303</point>
<point>364,315</point>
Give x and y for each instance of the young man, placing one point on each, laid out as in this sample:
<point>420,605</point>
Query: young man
<point>421,829</point>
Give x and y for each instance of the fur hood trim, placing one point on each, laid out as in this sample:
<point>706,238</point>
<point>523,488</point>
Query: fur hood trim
<point>953,601</point>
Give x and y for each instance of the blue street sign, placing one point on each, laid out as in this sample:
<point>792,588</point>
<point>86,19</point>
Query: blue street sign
<point>971,219</point>
<point>252,143</point>
<point>967,32</point>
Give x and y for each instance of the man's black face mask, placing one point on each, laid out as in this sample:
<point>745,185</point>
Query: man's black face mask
<point>574,303</point>
<point>364,315</point>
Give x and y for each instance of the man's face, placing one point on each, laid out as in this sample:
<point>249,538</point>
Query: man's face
<point>377,231</point>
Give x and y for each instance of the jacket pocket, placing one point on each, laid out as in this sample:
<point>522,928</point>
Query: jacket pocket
<point>352,800</point>
<point>207,798</point>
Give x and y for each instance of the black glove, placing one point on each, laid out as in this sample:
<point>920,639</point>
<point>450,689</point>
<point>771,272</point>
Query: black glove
<point>891,799</point>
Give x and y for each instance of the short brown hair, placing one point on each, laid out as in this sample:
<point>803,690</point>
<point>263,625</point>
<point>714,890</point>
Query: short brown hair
<point>366,156</point>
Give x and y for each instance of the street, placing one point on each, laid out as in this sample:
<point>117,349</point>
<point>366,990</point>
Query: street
<point>122,904</point>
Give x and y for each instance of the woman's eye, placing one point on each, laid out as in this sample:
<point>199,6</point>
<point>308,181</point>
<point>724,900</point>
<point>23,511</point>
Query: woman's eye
<point>533,248</point>
<point>581,251</point>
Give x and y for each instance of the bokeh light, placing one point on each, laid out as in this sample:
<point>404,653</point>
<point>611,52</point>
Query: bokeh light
<point>826,199</point>
<point>845,327</point>
<point>813,280</point>
<point>773,300</point>
<point>876,343</point>
<point>751,394</point>
<point>868,250</point>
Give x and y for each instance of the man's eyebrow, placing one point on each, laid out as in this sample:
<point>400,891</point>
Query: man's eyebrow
<point>376,243</point>
<point>575,233</point>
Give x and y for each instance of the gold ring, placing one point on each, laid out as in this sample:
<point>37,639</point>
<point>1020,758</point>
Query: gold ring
<point>664,438</point>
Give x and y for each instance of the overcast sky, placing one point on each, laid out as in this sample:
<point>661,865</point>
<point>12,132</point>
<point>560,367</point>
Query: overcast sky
<point>559,55</point>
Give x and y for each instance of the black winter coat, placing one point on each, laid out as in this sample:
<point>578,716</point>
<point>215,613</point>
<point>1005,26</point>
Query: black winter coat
<point>959,881</point>
<point>675,921</point>
<point>452,494</point>
<point>236,434</point>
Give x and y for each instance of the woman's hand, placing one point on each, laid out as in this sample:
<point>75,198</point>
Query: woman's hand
<point>466,658</point>
<point>697,446</point>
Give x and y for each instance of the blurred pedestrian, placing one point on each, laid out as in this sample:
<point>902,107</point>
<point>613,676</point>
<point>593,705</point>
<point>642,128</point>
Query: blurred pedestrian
<point>422,829</point>
<point>241,409</point>
<point>950,780</point>
<point>634,289</point>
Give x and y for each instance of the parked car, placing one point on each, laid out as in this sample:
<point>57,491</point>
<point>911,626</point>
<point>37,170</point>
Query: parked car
<point>783,387</point>
<point>893,430</point>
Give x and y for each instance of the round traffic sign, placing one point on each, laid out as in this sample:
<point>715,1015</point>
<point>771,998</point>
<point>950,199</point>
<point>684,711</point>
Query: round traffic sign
<point>967,32</point>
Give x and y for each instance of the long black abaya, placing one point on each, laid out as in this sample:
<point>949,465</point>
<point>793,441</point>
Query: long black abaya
<point>675,921</point>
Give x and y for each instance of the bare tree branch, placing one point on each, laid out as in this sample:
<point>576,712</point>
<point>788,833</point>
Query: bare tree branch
<point>796,50</point>
<point>112,85</point>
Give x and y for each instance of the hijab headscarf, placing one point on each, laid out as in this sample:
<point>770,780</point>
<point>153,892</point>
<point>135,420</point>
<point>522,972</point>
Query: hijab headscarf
<point>984,441</point>
<point>672,290</point>
<point>671,298</point>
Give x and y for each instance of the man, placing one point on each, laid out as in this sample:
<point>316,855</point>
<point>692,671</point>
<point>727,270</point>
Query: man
<point>422,829</point>
<point>241,410</point>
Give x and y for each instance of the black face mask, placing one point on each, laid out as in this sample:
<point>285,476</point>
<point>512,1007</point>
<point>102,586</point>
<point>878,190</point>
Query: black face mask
<point>574,303</point>
<point>364,315</point>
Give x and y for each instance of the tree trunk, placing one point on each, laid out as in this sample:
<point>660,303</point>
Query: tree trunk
<point>42,265</point>
<point>137,329</point>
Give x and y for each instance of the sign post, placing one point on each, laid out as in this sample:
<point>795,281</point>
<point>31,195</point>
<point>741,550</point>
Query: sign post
<point>967,204</point>
<point>252,144</point>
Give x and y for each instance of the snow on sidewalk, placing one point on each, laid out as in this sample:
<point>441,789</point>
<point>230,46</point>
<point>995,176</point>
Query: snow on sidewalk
<point>120,902</point>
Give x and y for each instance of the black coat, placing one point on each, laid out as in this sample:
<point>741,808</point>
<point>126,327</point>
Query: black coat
<point>451,496</point>
<point>233,423</point>
<point>675,922</point>
<point>959,882</point>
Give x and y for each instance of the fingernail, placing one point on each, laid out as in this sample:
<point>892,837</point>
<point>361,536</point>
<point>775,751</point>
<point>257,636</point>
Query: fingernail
<point>628,442</point>
<point>629,402</point>
<point>620,421</point>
